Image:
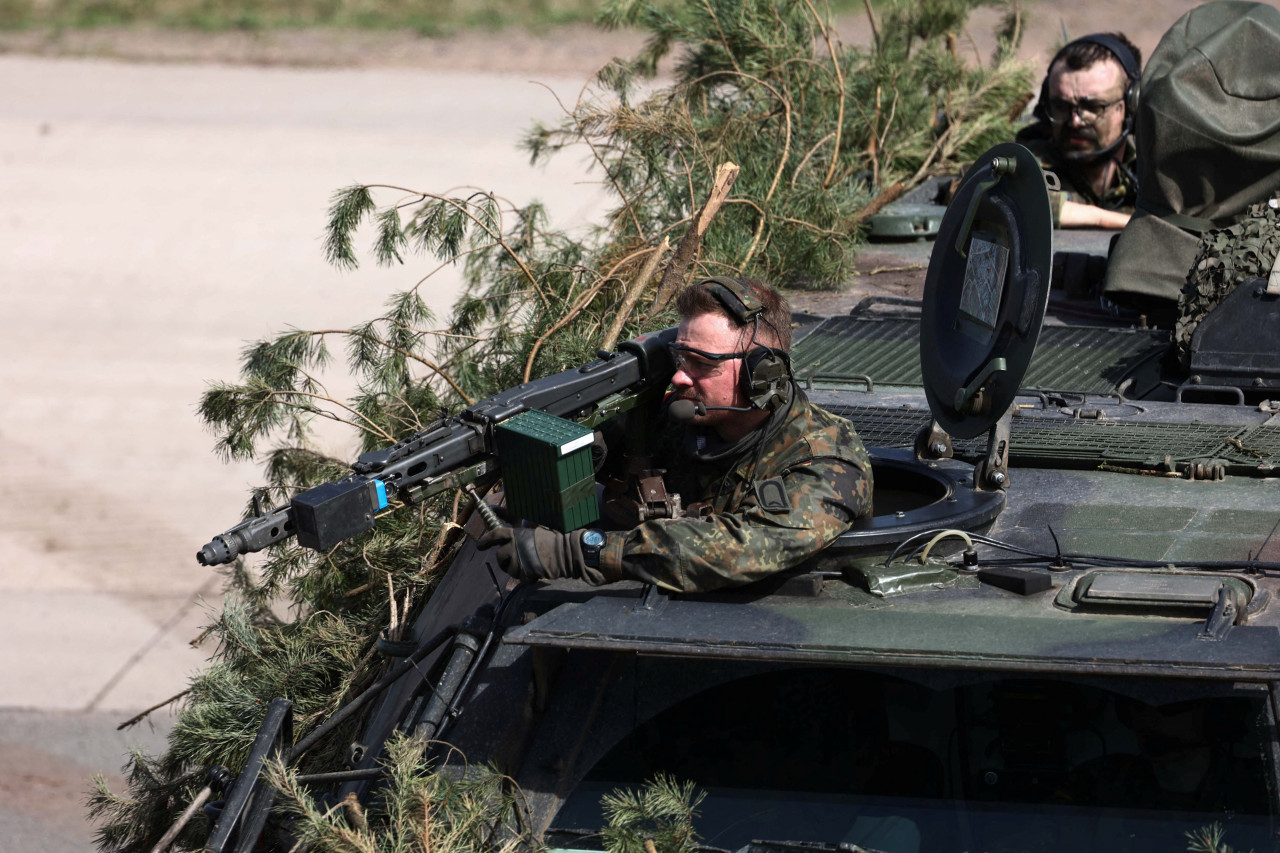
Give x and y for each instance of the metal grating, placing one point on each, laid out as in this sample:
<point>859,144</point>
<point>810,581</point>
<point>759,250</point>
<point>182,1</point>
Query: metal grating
<point>1081,443</point>
<point>884,427</point>
<point>1119,442</point>
<point>1258,446</point>
<point>887,350</point>
<point>1068,358</point>
<point>1076,358</point>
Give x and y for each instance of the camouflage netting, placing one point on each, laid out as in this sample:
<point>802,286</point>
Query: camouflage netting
<point>1226,257</point>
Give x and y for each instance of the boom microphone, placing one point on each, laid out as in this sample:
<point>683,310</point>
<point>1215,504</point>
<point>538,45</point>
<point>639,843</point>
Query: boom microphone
<point>686,410</point>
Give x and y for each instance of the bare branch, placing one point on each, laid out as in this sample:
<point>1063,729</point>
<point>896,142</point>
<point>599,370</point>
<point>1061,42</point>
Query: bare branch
<point>633,295</point>
<point>805,159</point>
<point>726,174</point>
<point>372,428</point>
<point>875,30</point>
<point>134,720</point>
<point>599,158</point>
<point>579,305</point>
<point>755,239</point>
<point>835,67</point>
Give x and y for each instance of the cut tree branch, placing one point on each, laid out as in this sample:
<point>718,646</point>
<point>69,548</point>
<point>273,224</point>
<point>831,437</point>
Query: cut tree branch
<point>633,295</point>
<point>674,274</point>
<point>873,207</point>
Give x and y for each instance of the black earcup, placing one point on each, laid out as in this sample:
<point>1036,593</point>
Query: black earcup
<point>1131,98</point>
<point>766,378</point>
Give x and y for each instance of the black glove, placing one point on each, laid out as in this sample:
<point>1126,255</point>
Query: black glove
<point>529,553</point>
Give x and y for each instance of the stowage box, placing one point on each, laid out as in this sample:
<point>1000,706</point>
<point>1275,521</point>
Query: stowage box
<point>547,468</point>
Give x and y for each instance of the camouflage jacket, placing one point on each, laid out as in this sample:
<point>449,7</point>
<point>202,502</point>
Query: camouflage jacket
<point>1122,195</point>
<point>813,478</point>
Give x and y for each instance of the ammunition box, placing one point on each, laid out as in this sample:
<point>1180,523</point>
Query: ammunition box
<point>547,467</point>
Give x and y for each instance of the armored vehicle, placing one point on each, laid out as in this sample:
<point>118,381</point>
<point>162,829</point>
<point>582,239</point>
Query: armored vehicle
<point>1057,632</point>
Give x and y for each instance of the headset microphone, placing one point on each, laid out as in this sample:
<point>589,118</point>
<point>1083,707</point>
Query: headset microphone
<point>1096,155</point>
<point>686,410</point>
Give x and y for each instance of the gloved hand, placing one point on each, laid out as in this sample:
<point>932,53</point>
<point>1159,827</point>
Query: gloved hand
<point>529,553</point>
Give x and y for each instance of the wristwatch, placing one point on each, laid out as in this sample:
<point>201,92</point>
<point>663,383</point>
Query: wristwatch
<point>592,542</point>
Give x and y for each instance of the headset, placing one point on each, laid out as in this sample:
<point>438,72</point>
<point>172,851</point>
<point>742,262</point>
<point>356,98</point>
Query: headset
<point>765,377</point>
<point>1127,61</point>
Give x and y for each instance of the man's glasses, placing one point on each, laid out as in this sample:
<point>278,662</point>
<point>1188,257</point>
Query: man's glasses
<point>1061,111</point>
<point>700,363</point>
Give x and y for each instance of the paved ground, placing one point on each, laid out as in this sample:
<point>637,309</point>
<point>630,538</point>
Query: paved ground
<point>155,219</point>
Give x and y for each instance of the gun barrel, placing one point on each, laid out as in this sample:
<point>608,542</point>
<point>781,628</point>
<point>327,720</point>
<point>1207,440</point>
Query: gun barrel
<point>219,550</point>
<point>439,456</point>
<point>250,535</point>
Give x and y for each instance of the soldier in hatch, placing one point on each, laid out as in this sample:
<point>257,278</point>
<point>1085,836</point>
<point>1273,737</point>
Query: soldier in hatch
<point>768,479</point>
<point>1084,131</point>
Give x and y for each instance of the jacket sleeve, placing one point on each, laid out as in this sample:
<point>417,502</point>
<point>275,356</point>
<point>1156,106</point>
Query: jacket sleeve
<point>772,530</point>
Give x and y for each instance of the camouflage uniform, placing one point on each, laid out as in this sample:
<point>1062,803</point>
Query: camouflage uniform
<point>754,529</point>
<point>1121,195</point>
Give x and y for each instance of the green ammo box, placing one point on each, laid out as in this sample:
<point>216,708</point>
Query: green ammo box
<point>547,468</point>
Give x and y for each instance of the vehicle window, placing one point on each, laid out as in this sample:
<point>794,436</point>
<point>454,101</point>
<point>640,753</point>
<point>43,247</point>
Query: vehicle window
<point>846,757</point>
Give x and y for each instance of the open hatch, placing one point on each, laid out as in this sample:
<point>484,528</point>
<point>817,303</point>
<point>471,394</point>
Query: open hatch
<point>984,301</point>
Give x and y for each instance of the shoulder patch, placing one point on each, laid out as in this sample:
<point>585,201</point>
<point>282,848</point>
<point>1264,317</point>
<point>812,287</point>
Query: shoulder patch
<point>772,496</point>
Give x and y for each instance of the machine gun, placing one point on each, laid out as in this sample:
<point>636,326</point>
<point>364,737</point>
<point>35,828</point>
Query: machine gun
<point>451,453</point>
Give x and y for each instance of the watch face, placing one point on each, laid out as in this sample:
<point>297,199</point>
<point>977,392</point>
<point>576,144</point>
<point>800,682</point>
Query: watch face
<point>593,538</point>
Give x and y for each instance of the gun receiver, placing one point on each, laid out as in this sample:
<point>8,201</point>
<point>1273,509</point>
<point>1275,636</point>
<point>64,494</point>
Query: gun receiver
<point>452,452</point>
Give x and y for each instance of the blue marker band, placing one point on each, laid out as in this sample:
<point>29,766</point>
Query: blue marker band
<point>382,493</point>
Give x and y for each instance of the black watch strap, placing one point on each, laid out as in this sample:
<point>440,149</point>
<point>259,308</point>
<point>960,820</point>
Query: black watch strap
<point>592,542</point>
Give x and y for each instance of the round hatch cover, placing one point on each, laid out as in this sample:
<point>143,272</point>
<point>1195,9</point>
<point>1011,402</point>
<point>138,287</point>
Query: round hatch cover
<point>986,290</point>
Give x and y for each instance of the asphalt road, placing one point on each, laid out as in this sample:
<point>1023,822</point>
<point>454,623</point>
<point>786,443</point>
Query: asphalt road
<point>155,218</point>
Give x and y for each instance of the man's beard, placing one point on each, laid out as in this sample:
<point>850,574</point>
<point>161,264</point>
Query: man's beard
<point>1093,151</point>
<point>1078,152</point>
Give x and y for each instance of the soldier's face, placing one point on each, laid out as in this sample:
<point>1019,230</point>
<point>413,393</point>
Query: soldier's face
<point>1084,90</point>
<point>715,383</point>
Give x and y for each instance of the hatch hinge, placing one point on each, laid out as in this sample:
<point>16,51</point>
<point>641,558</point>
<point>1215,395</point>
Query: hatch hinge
<point>933,442</point>
<point>992,473</point>
<point>1222,618</point>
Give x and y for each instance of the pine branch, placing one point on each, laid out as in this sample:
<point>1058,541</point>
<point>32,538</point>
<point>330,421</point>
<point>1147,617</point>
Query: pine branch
<point>349,208</point>
<point>762,91</point>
